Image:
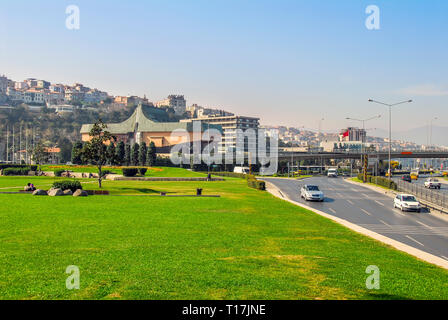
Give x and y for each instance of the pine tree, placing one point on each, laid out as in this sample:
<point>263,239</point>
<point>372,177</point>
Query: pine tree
<point>127,155</point>
<point>119,153</point>
<point>76,153</point>
<point>151,155</point>
<point>142,154</point>
<point>111,154</point>
<point>134,154</point>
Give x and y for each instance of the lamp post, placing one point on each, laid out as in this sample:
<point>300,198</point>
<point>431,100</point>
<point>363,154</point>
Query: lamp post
<point>390,127</point>
<point>363,121</point>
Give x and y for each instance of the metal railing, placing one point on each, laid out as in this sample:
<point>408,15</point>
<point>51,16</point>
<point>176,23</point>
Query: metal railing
<point>431,197</point>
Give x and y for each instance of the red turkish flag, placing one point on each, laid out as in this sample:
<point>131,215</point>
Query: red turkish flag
<point>345,134</point>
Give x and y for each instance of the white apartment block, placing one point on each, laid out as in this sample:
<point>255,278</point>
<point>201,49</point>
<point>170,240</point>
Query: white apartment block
<point>231,136</point>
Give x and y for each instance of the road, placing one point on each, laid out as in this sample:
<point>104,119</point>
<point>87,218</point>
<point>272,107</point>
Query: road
<point>374,211</point>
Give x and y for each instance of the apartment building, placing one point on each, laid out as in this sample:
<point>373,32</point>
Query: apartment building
<point>177,102</point>
<point>232,137</point>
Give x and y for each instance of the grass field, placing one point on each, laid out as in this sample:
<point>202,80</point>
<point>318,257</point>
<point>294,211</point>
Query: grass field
<point>152,171</point>
<point>245,245</point>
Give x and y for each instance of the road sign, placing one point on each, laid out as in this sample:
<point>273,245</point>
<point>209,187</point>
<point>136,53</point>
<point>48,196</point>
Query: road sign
<point>373,159</point>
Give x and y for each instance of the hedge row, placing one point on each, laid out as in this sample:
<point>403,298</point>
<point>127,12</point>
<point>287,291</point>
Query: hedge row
<point>256,184</point>
<point>132,171</point>
<point>5,166</point>
<point>234,175</point>
<point>381,181</point>
<point>72,185</point>
<point>16,171</point>
<point>58,172</point>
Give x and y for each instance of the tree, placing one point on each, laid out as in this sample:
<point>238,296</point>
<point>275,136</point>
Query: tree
<point>111,154</point>
<point>119,153</point>
<point>142,154</point>
<point>76,153</point>
<point>151,155</point>
<point>127,155</point>
<point>40,155</point>
<point>134,154</point>
<point>95,151</point>
<point>66,149</point>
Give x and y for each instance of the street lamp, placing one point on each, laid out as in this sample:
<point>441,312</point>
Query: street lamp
<point>364,132</point>
<point>430,130</point>
<point>390,127</point>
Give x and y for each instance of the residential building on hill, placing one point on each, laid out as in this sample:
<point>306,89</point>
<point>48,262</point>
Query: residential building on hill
<point>177,102</point>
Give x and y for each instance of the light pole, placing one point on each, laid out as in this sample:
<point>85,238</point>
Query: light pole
<point>390,128</point>
<point>364,133</point>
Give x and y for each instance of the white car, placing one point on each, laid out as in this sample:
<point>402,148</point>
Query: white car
<point>407,202</point>
<point>311,193</point>
<point>431,183</point>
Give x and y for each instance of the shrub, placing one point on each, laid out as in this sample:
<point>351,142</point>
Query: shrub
<point>106,172</point>
<point>72,185</point>
<point>58,172</point>
<point>256,184</point>
<point>142,171</point>
<point>16,171</point>
<point>234,175</point>
<point>129,172</point>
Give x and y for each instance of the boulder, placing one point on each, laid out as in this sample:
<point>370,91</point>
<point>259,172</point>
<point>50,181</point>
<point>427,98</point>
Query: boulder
<point>40,192</point>
<point>80,193</point>
<point>55,192</point>
<point>68,192</point>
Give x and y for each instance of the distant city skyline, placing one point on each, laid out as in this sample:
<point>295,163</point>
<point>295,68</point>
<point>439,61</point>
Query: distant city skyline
<point>288,62</point>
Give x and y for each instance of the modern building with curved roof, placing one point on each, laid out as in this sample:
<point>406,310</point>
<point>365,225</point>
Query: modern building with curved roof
<point>142,126</point>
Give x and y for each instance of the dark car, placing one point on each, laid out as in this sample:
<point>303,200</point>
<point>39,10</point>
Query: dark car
<point>407,178</point>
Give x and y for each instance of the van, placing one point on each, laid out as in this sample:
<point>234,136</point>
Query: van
<point>332,173</point>
<point>244,170</point>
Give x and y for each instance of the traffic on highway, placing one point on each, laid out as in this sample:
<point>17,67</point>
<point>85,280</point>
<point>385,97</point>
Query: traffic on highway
<point>402,219</point>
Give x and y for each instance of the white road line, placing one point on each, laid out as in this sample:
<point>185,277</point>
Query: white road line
<point>365,195</point>
<point>332,210</point>
<point>415,241</point>
<point>444,257</point>
<point>351,202</point>
<point>423,224</point>
<point>366,212</point>
<point>379,203</point>
<point>385,223</point>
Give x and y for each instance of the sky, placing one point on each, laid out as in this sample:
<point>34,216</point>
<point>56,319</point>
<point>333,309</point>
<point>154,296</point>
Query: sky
<point>287,62</point>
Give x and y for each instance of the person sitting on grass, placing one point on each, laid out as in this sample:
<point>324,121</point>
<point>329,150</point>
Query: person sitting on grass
<point>30,187</point>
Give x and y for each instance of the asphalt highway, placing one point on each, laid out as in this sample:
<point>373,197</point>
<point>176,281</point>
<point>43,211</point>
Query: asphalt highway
<point>374,211</point>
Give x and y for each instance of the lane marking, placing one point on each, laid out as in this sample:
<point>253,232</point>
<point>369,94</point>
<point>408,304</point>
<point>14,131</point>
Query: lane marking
<point>351,202</point>
<point>424,224</point>
<point>415,241</point>
<point>366,212</point>
<point>385,223</point>
<point>332,210</point>
<point>379,203</point>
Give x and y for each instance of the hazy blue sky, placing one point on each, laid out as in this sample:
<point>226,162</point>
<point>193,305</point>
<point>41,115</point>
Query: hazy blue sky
<point>288,62</point>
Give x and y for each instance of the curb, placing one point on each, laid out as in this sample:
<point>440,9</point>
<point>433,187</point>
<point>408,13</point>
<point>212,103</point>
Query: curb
<point>427,257</point>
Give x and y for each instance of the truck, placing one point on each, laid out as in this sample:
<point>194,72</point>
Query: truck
<point>244,170</point>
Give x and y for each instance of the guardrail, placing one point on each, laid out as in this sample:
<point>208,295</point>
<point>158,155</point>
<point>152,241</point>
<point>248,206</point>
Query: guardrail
<point>428,197</point>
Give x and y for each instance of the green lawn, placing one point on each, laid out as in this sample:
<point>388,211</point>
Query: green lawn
<point>245,245</point>
<point>152,171</point>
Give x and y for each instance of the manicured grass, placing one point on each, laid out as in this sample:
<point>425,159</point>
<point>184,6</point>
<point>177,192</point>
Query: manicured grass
<point>245,245</point>
<point>152,171</point>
